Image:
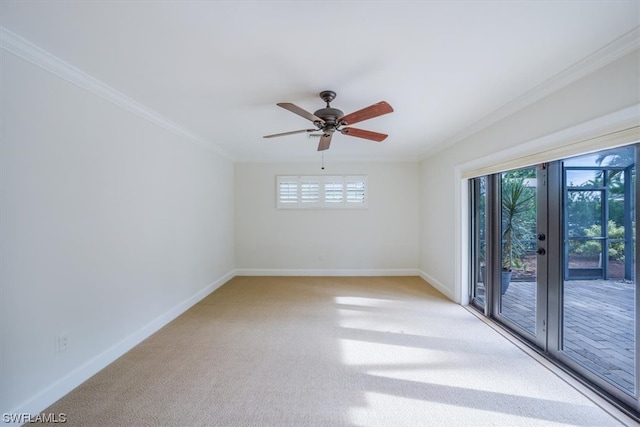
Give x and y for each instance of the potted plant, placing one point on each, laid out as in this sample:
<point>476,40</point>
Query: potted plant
<point>517,200</point>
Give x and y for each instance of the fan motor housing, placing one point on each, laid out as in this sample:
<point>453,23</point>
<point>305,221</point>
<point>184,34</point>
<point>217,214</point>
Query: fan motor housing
<point>329,114</point>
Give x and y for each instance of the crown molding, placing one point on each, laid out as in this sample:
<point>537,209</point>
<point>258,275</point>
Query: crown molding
<point>28,51</point>
<point>609,53</point>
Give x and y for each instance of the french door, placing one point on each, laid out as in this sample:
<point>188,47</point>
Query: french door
<point>509,249</point>
<point>554,260</point>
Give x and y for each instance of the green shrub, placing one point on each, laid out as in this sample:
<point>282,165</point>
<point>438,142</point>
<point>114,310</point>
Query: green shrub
<point>594,247</point>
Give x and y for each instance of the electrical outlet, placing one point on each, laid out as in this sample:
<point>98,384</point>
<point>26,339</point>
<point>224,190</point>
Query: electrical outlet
<point>63,342</point>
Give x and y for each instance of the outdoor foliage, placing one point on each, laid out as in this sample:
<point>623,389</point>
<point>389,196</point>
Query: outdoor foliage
<point>594,247</point>
<point>518,219</point>
<point>584,207</point>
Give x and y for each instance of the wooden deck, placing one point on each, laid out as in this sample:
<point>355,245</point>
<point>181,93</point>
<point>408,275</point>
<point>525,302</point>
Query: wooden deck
<point>598,328</point>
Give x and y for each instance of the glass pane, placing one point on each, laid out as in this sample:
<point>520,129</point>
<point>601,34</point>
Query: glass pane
<point>598,327</point>
<point>585,258</point>
<point>584,210</point>
<point>479,187</point>
<point>584,178</point>
<point>518,286</point>
<point>617,157</point>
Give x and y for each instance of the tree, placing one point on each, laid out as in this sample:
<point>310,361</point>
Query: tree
<point>518,206</point>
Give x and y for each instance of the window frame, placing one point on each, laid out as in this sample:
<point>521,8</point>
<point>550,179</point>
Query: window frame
<point>353,190</point>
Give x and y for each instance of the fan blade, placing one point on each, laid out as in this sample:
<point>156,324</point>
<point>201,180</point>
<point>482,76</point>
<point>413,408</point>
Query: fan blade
<point>299,111</point>
<point>366,134</point>
<point>325,142</point>
<point>293,132</point>
<point>367,113</point>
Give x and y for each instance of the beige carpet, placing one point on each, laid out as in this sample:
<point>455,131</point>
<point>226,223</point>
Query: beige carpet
<point>354,351</point>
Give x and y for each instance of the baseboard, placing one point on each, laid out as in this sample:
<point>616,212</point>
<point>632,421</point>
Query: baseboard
<point>436,284</point>
<point>64,385</point>
<point>347,272</point>
<point>326,272</point>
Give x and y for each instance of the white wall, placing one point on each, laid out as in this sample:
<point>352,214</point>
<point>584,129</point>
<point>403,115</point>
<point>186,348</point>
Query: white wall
<point>606,91</point>
<point>110,227</point>
<point>379,239</point>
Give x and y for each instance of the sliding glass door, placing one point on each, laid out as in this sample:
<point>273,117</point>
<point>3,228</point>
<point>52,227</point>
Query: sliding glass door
<point>554,260</point>
<point>599,291</point>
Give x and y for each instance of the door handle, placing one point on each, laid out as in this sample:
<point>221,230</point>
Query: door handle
<point>541,251</point>
<point>541,236</point>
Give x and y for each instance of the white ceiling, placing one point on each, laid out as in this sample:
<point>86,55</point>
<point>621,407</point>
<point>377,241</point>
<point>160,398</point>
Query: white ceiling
<point>218,68</point>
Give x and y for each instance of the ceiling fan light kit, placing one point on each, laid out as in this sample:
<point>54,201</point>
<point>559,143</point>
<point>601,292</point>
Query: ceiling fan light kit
<point>328,120</point>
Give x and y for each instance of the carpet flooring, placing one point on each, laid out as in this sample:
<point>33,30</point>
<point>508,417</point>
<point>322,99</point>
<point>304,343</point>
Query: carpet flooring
<point>338,351</point>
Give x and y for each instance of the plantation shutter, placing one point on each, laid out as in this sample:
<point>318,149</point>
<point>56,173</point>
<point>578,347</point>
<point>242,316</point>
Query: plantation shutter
<point>287,192</point>
<point>356,191</point>
<point>333,191</point>
<point>312,192</point>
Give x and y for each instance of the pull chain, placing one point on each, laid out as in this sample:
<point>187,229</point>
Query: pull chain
<point>322,154</point>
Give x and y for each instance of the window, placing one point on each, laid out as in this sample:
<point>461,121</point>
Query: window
<point>321,192</point>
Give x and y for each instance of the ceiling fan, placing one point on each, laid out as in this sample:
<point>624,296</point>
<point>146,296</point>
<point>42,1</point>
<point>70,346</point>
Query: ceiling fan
<point>328,120</point>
